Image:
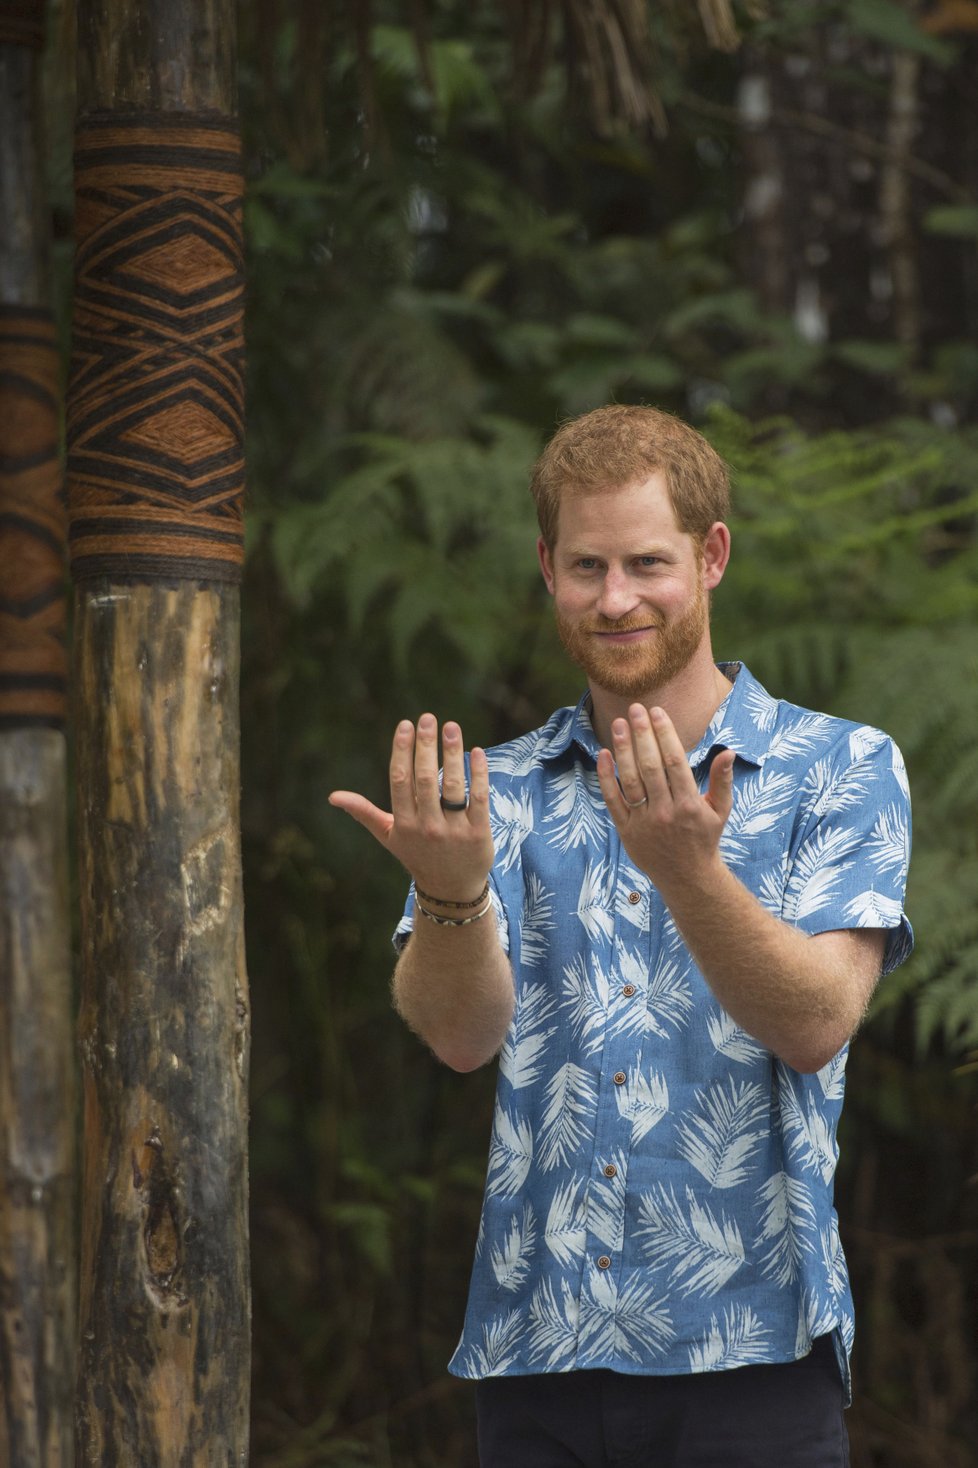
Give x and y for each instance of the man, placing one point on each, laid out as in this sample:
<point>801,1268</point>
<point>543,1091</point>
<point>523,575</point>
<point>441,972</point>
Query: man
<point>668,909</point>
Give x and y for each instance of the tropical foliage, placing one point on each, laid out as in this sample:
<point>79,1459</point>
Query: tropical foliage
<point>445,259</point>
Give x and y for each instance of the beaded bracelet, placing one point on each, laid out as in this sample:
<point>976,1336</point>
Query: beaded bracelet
<point>443,901</point>
<point>452,922</point>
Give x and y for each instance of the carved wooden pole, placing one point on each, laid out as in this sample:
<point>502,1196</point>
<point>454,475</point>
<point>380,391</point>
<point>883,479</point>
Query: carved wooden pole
<point>37,1124</point>
<point>155,432</point>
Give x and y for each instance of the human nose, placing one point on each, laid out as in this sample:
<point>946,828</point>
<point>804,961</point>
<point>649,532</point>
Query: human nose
<point>617,597</point>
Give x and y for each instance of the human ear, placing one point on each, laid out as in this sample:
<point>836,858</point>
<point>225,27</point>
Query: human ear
<point>715,554</point>
<point>546,564</point>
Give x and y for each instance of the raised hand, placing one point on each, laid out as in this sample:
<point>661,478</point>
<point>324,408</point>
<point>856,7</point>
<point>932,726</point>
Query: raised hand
<point>441,837</point>
<point>670,831</point>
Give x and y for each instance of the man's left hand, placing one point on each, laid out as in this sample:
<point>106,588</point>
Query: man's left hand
<point>670,831</point>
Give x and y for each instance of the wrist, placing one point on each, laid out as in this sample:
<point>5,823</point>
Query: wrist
<point>451,898</point>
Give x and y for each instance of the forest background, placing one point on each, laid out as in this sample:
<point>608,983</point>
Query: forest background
<point>464,223</point>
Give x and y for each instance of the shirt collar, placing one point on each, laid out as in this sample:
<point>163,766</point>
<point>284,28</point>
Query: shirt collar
<point>743,723</point>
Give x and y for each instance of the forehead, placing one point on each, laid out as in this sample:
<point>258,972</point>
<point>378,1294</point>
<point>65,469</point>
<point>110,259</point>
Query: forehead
<point>633,513</point>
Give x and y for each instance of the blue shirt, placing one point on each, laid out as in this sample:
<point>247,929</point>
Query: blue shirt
<point>659,1188</point>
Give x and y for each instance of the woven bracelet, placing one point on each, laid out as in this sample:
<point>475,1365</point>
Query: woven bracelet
<point>452,922</point>
<point>444,902</point>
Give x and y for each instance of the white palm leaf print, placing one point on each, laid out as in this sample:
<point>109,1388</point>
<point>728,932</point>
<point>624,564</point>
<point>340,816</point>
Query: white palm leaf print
<point>794,740</point>
<point>763,709</point>
<point>606,1205</point>
<point>865,741</point>
<point>511,821</point>
<point>569,1115</point>
<point>577,811</point>
<point>707,1250</point>
<point>584,1000</point>
<point>565,1233</point>
<point>808,1135</point>
<point>596,902</point>
<point>770,889</point>
<point>818,870</point>
<point>553,1326</point>
<point>813,1320</point>
<point>510,1155</point>
<point>787,1222</point>
<point>900,772</point>
<point>721,1137</point>
<point>537,921</point>
<point>832,1077</point>
<point>727,1038</point>
<point>520,1059</point>
<point>643,1100</point>
<point>511,1259</point>
<point>758,805</point>
<point>833,1258</point>
<point>889,844</point>
<point>518,757</point>
<point>873,910</point>
<point>499,1349</point>
<point>670,999</point>
<point>628,1322</point>
<point>739,1341</point>
<point>848,1327</point>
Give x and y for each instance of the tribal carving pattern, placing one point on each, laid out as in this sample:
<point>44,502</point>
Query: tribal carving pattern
<point>156,395</point>
<point>33,671</point>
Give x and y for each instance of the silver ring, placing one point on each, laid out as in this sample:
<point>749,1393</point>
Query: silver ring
<point>634,804</point>
<point>454,804</point>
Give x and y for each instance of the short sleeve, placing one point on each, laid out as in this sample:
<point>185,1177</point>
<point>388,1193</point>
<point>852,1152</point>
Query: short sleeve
<point>849,869</point>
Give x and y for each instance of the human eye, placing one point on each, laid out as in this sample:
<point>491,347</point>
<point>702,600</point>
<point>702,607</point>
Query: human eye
<point>586,563</point>
<point>648,562</point>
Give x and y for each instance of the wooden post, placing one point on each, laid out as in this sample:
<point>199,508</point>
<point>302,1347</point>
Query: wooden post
<point>37,1123</point>
<point>155,468</point>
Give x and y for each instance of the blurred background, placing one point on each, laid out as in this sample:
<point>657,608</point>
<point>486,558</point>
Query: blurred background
<point>466,221</point>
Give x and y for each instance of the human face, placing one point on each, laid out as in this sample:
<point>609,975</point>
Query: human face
<point>630,587</point>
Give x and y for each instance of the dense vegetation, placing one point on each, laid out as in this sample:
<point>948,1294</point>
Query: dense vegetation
<point>453,245</point>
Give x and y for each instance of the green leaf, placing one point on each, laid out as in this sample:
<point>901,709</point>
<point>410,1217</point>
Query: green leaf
<point>890,23</point>
<point>958,220</point>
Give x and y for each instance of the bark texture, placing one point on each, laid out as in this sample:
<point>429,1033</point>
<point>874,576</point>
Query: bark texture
<point>37,1238</point>
<point>37,1120</point>
<point>164,1355</point>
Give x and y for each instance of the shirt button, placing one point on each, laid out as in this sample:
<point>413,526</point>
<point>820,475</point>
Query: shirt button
<point>628,990</point>
<point>620,1078</point>
<point>634,897</point>
<point>604,1262</point>
<point>611,1170</point>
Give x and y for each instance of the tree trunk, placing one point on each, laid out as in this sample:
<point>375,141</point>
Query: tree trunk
<point>37,1150</point>
<point>155,431</point>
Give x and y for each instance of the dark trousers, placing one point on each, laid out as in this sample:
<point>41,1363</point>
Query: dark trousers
<point>785,1416</point>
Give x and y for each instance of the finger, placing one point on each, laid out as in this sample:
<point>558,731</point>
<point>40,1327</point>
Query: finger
<point>720,792</point>
<point>629,775</point>
<point>403,802</point>
<point>453,764</point>
<point>670,755</point>
<point>610,788</point>
<point>378,822</point>
<point>426,767</point>
<point>479,789</point>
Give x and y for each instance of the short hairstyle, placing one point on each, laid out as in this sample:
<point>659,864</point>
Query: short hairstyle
<point>618,446</point>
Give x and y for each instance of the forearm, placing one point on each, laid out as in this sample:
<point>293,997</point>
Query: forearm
<point>454,988</point>
<point>800,997</point>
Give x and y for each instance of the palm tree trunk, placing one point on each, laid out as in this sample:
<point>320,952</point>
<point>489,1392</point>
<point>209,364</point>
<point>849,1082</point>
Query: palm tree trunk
<point>155,433</point>
<point>37,1152</point>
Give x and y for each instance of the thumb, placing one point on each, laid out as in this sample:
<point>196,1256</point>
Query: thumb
<point>378,822</point>
<point>720,793</point>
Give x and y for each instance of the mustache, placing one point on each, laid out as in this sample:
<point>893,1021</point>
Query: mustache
<point>626,624</point>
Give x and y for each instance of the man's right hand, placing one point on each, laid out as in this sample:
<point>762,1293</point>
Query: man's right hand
<point>449,853</point>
